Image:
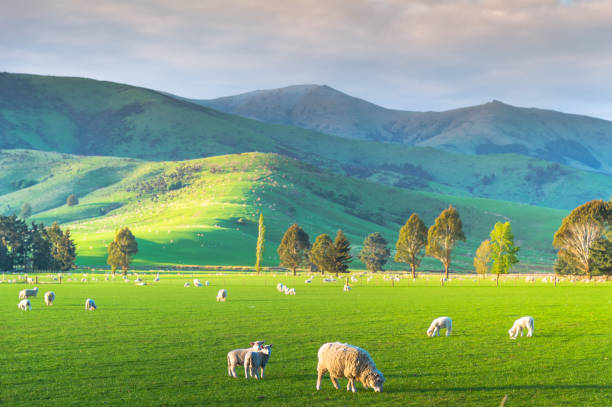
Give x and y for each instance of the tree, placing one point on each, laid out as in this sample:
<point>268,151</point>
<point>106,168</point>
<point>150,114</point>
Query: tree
<point>122,250</point>
<point>261,239</point>
<point>26,211</point>
<point>72,200</point>
<point>602,255</point>
<point>15,236</point>
<point>6,262</point>
<point>293,248</point>
<point>63,249</point>
<point>483,258</point>
<point>375,252</point>
<point>323,253</point>
<point>410,243</point>
<point>42,258</point>
<point>584,226</point>
<point>443,235</point>
<point>343,253</point>
<point>503,251</point>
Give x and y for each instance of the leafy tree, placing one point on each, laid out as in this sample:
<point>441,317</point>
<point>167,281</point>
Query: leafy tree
<point>602,255</point>
<point>323,253</point>
<point>293,247</point>
<point>63,249</point>
<point>579,231</point>
<point>42,258</point>
<point>443,235</point>
<point>375,252</point>
<point>261,239</point>
<point>15,236</point>
<point>6,262</point>
<point>122,250</point>
<point>503,251</point>
<point>72,200</point>
<point>411,241</point>
<point>343,253</point>
<point>483,258</point>
<point>26,211</point>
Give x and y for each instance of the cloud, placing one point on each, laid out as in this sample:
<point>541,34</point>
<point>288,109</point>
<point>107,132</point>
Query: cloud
<point>416,55</point>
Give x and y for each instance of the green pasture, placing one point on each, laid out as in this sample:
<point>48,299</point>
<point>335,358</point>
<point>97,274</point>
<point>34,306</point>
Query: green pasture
<point>164,344</point>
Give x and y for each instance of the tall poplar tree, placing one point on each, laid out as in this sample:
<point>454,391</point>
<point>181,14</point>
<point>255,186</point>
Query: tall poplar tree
<point>503,251</point>
<point>261,239</point>
<point>443,235</point>
<point>410,243</point>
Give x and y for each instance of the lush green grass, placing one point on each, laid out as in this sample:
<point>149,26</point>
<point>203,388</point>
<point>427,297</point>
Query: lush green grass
<point>163,344</point>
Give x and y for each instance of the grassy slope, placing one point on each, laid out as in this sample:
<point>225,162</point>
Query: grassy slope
<point>213,219</point>
<point>84,116</point>
<point>166,345</point>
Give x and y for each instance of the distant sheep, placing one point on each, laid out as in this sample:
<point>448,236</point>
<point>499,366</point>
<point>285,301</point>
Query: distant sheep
<point>530,279</point>
<point>353,279</point>
<point>308,281</point>
<point>197,282</point>
<point>83,280</point>
<point>90,305</point>
<point>236,357</point>
<point>351,362</point>
<point>49,298</point>
<point>27,293</point>
<point>186,284</point>
<point>280,287</point>
<point>329,280</point>
<point>222,295</point>
<point>206,283</point>
<point>156,278</point>
<point>520,324</point>
<point>256,361</point>
<point>347,287</point>
<point>440,323</point>
<point>25,305</point>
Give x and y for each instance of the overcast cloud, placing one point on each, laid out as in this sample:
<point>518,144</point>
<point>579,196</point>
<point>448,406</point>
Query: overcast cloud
<point>413,55</point>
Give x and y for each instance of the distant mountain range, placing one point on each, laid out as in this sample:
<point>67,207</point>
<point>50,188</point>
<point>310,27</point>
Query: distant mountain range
<point>491,128</point>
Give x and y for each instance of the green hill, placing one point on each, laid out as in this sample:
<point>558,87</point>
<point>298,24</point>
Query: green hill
<point>204,211</point>
<point>88,117</point>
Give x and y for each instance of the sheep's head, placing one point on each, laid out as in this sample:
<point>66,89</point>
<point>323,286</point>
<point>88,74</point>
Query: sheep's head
<point>257,345</point>
<point>511,332</point>
<point>267,350</point>
<point>375,380</point>
<point>430,331</point>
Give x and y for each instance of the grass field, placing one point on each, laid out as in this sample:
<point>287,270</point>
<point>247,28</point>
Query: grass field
<point>163,344</point>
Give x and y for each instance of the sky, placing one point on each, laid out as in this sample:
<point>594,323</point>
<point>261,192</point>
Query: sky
<point>403,54</point>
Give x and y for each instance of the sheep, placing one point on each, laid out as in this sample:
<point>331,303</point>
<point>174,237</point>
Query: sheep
<point>236,357</point>
<point>206,283</point>
<point>156,278</point>
<point>256,361</point>
<point>440,323</point>
<point>222,295</point>
<point>329,280</point>
<point>141,283</point>
<point>83,280</point>
<point>27,293</point>
<point>347,287</point>
<point>197,282</point>
<point>353,279</point>
<point>308,281</point>
<point>280,287</point>
<point>290,291</point>
<point>519,325</point>
<point>186,284</point>
<point>351,362</point>
<point>49,298</point>
<point>24,305</point>
<point>90,305</point>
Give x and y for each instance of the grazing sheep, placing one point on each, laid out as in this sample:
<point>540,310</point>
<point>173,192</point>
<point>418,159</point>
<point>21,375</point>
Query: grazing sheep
<point>90,305</point>
<point>222,295</point>
<point>347,287</point>
<point>27,293</point>
<point>290,291</point>
<point>308,281</point>
<point>352,362</point>
<point>329,280</point>
<point>25,305</point>
<point>49,298</point>
<point>197,282</point>
<point>186,284</point>
<point>206,283</point>
<point>530,279</point>
<point>236,357</point>
<point>440,323</point>
<point>141,283</point>
<point>520,324</point>
<point>353,279</point>
<point>280,287</point>
<point>256,361</point>
<point>83,280</point>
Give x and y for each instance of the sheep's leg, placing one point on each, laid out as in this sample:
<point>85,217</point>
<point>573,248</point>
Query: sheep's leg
<point>436,331</point>
<point>247,371</point>
<point>256,373</point>
<point>334,382</point>
<point>320,373</point>
<point>348,385</point>
<point>448,331</point>
<point>521,331</point>
<point>262,372</point>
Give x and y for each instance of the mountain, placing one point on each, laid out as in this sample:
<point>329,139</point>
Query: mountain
<point>88,117</point>
<point>491,128</point>
<point>205,211</point>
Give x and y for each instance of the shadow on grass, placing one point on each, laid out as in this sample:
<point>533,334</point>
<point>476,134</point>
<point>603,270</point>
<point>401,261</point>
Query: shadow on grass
<point>521,387</point>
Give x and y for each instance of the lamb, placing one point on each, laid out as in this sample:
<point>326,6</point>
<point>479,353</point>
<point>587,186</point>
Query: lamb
<point>222,295</point>
<point>347,287</point>
<point>83,280</point>
<point>27,293</point>
<point>308,281</point>
<point>25,305</point>
<point>186,284</point>
<point>519,325</point>
<point>236,357</point>
<point>49,298</point>
<point>197,282</point>
<point>256,361</point>
<point>353,279</point>
<point>280,287</point>
<point>206,283</point>
<point>290,291</point>
<point>156,278</point>
<point>90,305</point>
<point>352,362</point>
<point>440,323</point>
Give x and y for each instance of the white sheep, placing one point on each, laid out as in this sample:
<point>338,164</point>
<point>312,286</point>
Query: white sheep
<point>347,287</point>
<point>440,323</point>
<point>197,282</point>
<point>222,295</point>
<point>351,362</point>
<point>25,305</point>
<point>49,298</point>
<point>236,357</point>
<point>83,280</point>
<point>291,291</point>
<point>186,284</point>
<point>353,279</point>
<point>90,305</point>
<point>280,287</point>
<point>156,278</point>
<point>206,283</point>
<point>256,361</point>
<point>308,281</point>
<point>27,293</point>
<point>520,324</point>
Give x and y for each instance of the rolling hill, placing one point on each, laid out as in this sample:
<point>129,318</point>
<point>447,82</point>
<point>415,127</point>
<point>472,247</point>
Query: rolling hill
<point>491,128</point>
<point>204,211</point>
<point>88,117</point>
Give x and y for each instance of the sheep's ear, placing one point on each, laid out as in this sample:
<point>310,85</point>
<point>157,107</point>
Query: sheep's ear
<point>270,345</point>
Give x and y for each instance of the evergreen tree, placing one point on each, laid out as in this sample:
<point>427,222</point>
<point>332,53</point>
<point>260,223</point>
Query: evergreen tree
<point>26,211</point>
<point>443,235</point>
<point>72,200</point>
<point>410,243</point>
<point>42,258</point>
<point>323,253</point>
<point>342,250</point>
<point>293,248</point>
<point>503,251</point>
<point>602,255</point>
<point>261,239</point>
<point>375,252</point>
<point>63,249</point>
<point>6,262</point>
<point>483,258</point>
<point>16,237</point>
<point>122,250</point>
